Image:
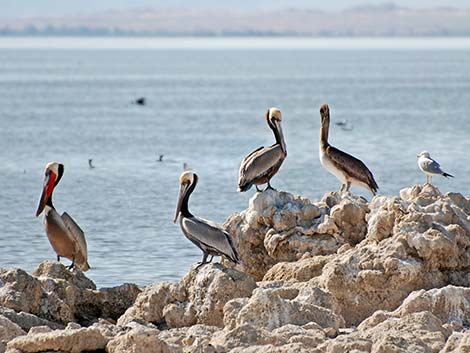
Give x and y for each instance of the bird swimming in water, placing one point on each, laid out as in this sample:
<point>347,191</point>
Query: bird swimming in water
<point>262,164</point>
<point>348,169</point>
<point>65,236</point>
<point>430,167</point>
<point>206,235</point>
<point>140,101</point>
<point>160,158</point>
<point>90,163</point>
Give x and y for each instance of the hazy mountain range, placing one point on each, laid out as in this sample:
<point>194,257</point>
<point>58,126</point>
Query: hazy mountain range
<point>367,20</point>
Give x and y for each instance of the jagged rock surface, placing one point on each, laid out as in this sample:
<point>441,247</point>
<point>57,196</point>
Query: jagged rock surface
<point>8,331</point>
<point>198,298</point>
<point>339,275</point>
<point>68,340</point>
<point>278,226</point>
<point>57,295</point>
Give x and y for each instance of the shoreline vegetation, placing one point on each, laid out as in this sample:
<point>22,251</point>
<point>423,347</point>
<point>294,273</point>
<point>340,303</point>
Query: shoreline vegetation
<point>341,274</point>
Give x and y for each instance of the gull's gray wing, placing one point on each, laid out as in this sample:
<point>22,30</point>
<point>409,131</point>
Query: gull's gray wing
<point>429,165</point>
<point>77,233</point>
<point>259,163</point>
<point>209,237</point>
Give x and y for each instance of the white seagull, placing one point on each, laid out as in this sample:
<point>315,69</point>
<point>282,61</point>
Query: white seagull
<point>430,167</point>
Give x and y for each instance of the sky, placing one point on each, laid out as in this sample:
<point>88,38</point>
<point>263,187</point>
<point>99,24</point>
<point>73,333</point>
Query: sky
<point>32,8</point>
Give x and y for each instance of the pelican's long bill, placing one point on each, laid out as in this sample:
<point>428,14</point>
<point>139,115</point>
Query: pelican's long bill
<point>277,123</point>
<point>49,183</point>
<point>184,187</point>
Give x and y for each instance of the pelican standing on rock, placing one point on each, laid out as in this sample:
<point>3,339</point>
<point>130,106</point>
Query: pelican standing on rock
<point>65,236</point>
<point>207,236</point>
<point>348,169</point>
<point>430,167</point>
<point>263,163</point>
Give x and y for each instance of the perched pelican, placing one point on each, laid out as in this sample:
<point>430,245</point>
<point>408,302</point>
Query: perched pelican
<point>430,167</point>
<point>348,169</point>
<point>65,236</point>
<point>207,236</point>
<point>263,163</point>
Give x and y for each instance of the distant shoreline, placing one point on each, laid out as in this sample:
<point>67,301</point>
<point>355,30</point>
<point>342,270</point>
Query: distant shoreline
<point>236,43</point>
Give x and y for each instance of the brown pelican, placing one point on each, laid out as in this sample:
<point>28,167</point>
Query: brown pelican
<point>348,169</point>
<point>65,236</point>
<point>263,163</point>
<point>207,236</point>
<point>430,167</point>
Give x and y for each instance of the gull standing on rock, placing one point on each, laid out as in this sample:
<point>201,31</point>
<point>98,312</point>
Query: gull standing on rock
<point>263,163</point>
<point>348,169</point>
<point>207,235</point>
<point>430,167</point>
<point>65,236</point>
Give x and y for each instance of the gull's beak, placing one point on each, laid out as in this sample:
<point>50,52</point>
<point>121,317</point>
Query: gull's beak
<point>184,187</point>
<point>49,182</point>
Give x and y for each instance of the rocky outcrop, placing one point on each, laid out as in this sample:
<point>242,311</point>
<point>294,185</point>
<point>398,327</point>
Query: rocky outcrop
<point>73,340</point>
<point>338,275</point>
<point>138,340</point>
<point>8,331</point>
<point>198,298</point>
<point>278,226</point>
<point>427,246</point>
<point>54,296</point>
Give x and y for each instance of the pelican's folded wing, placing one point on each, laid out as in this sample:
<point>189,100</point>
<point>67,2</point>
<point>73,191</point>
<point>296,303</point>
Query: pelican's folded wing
<point>352,166</point>
<point>77,234</point>
<point>260,162</point>
<point>210,235</point>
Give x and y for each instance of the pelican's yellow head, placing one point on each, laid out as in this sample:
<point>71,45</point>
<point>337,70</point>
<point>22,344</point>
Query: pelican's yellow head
<point>273,114</point>
<point>187,177</point>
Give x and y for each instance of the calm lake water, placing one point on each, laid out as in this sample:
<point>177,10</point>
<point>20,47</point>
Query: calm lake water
<point>206,108</point>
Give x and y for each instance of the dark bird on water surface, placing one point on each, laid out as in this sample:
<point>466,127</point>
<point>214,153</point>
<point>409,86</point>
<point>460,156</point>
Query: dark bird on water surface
<point>343,122</point>
<point>262,164</point>
<point>65,236</point>
<point>206,235</point>
<point>90,163</point>
<point>140,101</point>
<point>348,169</point>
